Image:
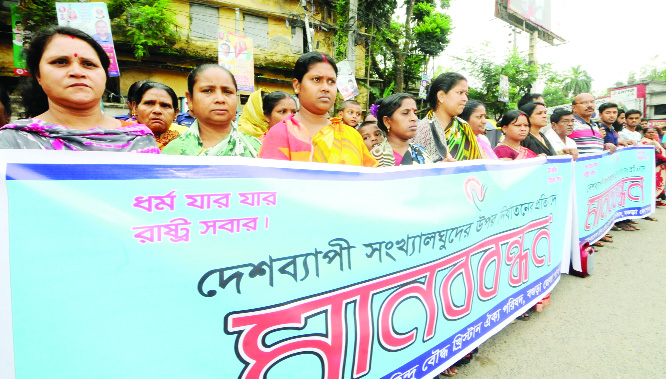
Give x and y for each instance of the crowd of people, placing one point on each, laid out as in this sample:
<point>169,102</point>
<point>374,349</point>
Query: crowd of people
<point>69,70</point>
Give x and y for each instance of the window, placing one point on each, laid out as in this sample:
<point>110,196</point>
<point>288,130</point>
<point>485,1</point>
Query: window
<point>204,21</point>
<point>257,29</point>
<point>660,109</point>
<point>297,40</point>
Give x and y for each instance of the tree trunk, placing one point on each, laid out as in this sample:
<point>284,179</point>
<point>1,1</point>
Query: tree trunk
<point>401,55</point>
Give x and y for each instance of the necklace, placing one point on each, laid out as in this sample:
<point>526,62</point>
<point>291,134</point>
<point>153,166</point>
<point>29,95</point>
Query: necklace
<point>516,149</point>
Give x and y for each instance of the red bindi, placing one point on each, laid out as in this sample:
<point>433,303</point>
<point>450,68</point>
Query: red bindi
<point>75,55</point>
<point>72,37</point>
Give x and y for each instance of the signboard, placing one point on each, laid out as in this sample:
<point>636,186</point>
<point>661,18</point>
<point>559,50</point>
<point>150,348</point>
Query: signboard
<point>656,123</point>
<point>181,267</point>
<point>504,89</point>
<point>347,80</point>
<point>20,39</point>
<point>235,53</point>
<point>423,89</point>
<point>92,18</point>
<point>632,97</point>
<point>543,16</point>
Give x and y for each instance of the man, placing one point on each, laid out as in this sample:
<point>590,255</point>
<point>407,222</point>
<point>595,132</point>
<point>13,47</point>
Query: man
<point>629,133</point>
<point>608,112</point>
<point>530,97</point>
<point>586,132</point>
<point>562,121</point>
<point>102,35</point>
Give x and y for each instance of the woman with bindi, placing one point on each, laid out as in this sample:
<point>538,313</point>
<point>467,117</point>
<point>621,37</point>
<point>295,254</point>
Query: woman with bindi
<point>516,126</point>
<point>535,140</point>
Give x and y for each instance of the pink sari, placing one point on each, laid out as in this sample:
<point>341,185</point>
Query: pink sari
<point>504,151</point>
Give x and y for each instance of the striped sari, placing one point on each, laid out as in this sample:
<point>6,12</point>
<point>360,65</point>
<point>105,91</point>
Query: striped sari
<point>334,143</point>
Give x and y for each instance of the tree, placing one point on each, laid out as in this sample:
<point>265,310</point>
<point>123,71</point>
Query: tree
<point>38,13</point>
<point>145,24</point>
<point>487,73</point>
<point>576,81</point>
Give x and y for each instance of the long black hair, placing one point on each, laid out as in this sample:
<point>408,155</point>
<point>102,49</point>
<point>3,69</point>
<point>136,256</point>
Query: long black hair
<point>270,100</point>
<point>470,107</point>
<point>444,82</point>
<point>148,85</point>
<point>194,75</point>
<point>512,116</point>
<point>387,106</point>
<point>306,61</point>
<point>35,100</point>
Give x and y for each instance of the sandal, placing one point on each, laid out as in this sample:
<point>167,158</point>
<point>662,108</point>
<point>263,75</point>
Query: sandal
<point>598,244</point>
<point>615,228</point>
<point>649,218</point>
<point>627,227</point>
<point>631,222</point>
<point>523,317</point>
<point>606,238</point>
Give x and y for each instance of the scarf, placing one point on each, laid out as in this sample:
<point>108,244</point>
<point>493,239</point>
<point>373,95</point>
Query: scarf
<point>36,134</point>
<point>235,144</point>
<point>252,121</point>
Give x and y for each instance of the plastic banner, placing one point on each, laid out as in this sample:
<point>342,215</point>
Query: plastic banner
<point>347,80</point>
<point>182,267</point>
<point>92,18</point>
<point>235,53</point>
<point>20,39</point>
<point>612,188</point>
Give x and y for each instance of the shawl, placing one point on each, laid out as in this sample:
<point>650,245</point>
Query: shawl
<point>456,140</point>
<point>236,144</point>
<point>383,153</point>
<point>171,134</point>
<point>252,121</point>
<point>33,133</point>
<point>485,148</point>
<point>538,147</point>
<point>504,151</point>
<point>334,143</point>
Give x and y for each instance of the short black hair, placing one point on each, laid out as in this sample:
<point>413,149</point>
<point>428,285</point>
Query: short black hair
<point>605,106</point>
<point>512,116</point>
<point>133,89</point>
<point>559,113</point>
<point>365,123</point>
<point>633,111</point>
<point>387,106</point>
<point>270,100</point>
<point>307,60</point>
<point>444,82</point>
<point>470,107</point>
<point>530,107</point>
<point>528,98</point>
<point>346,103</point>
<point>194,75</point>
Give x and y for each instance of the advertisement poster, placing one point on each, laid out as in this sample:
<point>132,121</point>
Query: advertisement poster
<point>504,89</point>
<point>248,268</point>
<point>423,89</point>
<point>235,53</point>
<point>347,81</point>
<point>20,40</point>
<point>92,18</point>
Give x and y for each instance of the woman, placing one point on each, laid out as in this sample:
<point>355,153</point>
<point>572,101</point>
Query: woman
<point>63,96</point>
<point>651,138</point>
<point>397,118</point>
<point>157,107</point>
<point>515,126</point>
<point>263,110</point>
<point>535,140</point>
<point>212,95</point>
<point>474,114</point>
<point>310,135</point>
<point>277,106</point>
<point>442,133</point>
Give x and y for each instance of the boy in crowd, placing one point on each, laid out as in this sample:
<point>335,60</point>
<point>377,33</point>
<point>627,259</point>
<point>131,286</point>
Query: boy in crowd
<point>350,112</point>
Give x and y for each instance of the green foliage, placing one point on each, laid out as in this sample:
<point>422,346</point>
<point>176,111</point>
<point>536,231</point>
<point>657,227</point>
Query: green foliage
<point>38,14</point>
<point>342,34</point>
<point>576,81</point>
<point>432,34</point>
<point>421,10</point>
<point>487,73</point>
<point>147,25</point>
<point>388,91</point>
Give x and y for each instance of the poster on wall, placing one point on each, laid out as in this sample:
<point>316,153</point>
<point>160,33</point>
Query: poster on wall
<point>347,81</point>
<point>235,53</point>
<point>20,40</point>
<point>504,89</point>
<point>92,18</point>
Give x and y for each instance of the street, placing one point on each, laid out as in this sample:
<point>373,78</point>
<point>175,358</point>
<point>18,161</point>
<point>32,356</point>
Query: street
<point>609,325</point>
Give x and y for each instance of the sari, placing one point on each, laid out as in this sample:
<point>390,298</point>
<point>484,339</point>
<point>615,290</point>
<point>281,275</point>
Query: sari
<point>236,144</point>
<point>171,134</point>
<point>504,151</point>
<point>456,140</point>
<point>33,133</point>
<point>334,143</point>
<point>252,122</point>
<point>660,164</point>
<point>387,157</point>
<point>485,148</point>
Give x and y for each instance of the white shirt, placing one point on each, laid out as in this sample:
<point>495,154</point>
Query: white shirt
<point>628,135</point>
<point>557,143</point>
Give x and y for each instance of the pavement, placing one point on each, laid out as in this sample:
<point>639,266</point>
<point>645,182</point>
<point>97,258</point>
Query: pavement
<point>609,325</point>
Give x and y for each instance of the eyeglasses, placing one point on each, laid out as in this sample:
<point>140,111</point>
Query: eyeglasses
<point>585,102</point>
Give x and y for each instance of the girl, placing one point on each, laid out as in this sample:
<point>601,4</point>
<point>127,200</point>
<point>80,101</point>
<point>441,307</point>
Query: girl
<point>310,135</point>
<point>397,118</point>
<point>535,140</point>
<point>263,110</point>
<point>68,78</point>
<point>475,115</point>
<point>212,95</point>
<point>442,133</point>
<point>515,126</point>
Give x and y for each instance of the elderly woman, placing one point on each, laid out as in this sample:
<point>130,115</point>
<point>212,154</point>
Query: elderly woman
<point>68,77</point>
<point>157,107</point>
<point>213,96</point>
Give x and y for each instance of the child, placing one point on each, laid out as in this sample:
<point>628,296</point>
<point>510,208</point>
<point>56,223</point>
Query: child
<point>350,112</point>
<point>371,134</point>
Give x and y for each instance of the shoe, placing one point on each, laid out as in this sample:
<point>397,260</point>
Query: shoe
<point>660,204</point>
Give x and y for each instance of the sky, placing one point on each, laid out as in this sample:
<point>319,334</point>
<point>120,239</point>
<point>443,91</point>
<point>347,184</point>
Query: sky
<point>608,38</point>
